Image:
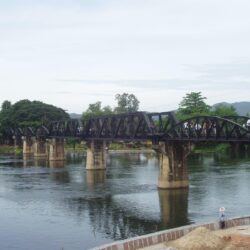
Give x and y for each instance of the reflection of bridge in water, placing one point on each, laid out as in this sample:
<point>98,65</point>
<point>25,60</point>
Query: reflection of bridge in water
<point>114,214</point>
<point>172,139</point>
<point>123,223</point>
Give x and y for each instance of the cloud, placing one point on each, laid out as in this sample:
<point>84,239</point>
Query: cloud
<point>72,53</point>
<point>236,71</point>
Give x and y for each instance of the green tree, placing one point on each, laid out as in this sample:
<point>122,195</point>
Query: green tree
<point>6,105</point>
<point>96,109</point>
<point>224,110</point>
<point>126,103</point>
<point>192,104</point>
<point>30,113</point>
<point>107,110</point>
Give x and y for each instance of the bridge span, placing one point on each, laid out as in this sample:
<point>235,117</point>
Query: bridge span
<point>172,139</point>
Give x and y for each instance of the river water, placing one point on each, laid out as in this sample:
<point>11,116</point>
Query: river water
<point>63,206</point>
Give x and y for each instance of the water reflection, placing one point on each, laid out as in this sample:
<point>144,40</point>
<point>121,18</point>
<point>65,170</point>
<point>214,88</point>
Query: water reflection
<point>75,156</point>
<point>230,157</point>
<point>27,160</point>
<point>56,164</point>
<point>94,178</point>
<point>83,208</point>
<point>118,218</point>
<point>125,159</point>
<point>60,177</point>
<point>71,157</point>
<point>39,162</point>
<point>173,207</point>
<point>27,157</point>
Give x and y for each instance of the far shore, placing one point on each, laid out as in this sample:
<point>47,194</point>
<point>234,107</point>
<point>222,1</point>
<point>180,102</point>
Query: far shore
<point>6,149</point>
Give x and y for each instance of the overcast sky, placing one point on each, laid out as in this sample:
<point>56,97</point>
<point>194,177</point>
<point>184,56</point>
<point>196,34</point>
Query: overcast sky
<point>72,53</point>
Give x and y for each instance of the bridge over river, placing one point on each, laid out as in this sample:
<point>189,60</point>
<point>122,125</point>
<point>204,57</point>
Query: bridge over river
<point>172,139</point>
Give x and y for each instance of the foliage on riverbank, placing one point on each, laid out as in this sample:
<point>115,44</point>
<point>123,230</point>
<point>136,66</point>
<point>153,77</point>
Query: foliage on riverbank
<point>27,113</point>
<point>76,145</point>
<point>211,147</point>
<point>219,148</point>
<point>193,104</point>
<point>121,146</point>
<point>6,149</point>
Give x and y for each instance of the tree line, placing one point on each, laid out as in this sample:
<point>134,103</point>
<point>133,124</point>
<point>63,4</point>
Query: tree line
<point>126,103</point>
<point>192,104</point>
<point>25,113</point>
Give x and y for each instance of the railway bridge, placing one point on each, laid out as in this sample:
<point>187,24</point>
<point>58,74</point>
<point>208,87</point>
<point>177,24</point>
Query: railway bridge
<point>172,139</point>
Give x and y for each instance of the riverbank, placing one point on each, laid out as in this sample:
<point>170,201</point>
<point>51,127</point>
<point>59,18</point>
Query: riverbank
<point>141,150</point>
<point>184,238</point>
<point>202,238</point>
<point>129,147</point>
<point>8,150</point>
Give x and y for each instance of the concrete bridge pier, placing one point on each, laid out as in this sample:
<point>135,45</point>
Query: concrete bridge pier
<point>27,145</point>
<point>96,155</point>
<point>40,148</point>
<point>56,149</point>
<point>173,165</point>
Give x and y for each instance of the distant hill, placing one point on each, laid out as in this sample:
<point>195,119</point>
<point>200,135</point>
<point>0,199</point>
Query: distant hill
<point>242,108</point>
<point>75,116</point>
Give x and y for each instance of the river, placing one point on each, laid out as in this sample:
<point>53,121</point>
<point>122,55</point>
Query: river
<point>63,206</point>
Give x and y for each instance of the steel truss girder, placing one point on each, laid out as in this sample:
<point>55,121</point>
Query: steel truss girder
<point>131,126</point>
<point>144,126</point>
<point>207,128</point>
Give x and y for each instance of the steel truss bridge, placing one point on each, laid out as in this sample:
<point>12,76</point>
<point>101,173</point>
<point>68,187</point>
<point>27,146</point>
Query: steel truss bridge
<point>142,126</point>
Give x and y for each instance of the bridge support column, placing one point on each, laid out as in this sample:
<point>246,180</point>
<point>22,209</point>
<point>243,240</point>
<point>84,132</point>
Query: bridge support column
<point>173,165</point>
<point>27,145</point>
<point>40,148</point>
<point>96,155</point>
<point>56,149</point>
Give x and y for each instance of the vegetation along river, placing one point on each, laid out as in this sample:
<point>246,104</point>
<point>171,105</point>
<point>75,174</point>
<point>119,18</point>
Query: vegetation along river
<point>67,207</point>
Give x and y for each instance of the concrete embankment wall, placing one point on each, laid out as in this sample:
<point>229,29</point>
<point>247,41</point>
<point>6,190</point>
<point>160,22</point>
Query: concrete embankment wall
<point>167,235</point>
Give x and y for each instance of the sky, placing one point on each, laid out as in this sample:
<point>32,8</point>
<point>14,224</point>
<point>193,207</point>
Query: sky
<point>76,52</point>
